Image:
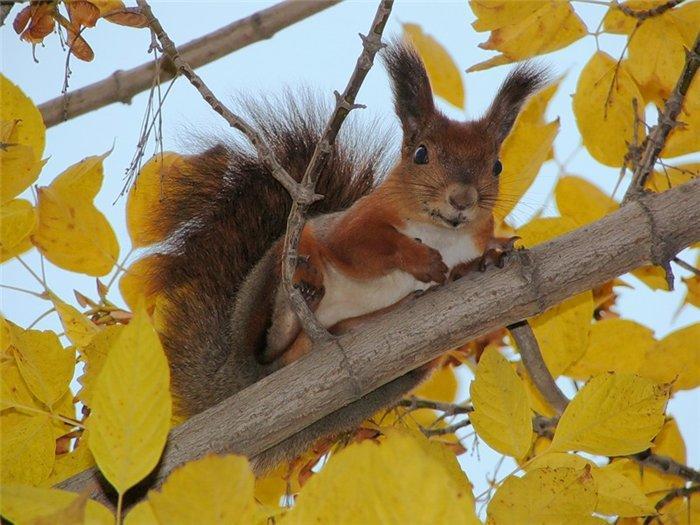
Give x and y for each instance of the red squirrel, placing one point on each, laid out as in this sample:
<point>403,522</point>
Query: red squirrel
<point>377,237</point>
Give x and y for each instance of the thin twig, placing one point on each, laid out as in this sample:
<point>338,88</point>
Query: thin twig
<point>656,140</point>
<point>265,154</point>
<point>686,266</point>
<point>680,492</point>
<point>666,465</point>
<point>442,431</point>
<point>643,14</point>
<point>121,86</point>
<point>448,409</point>
<point>536,367</point>
<point>345,103</point>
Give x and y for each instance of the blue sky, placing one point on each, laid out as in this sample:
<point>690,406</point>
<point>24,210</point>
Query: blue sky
<point>319,52</point>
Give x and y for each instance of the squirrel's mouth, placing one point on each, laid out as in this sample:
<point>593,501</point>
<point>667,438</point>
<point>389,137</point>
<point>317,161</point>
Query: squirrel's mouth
<point>453,222</point>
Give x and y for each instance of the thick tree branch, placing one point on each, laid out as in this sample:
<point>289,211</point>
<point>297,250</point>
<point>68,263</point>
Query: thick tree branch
<point>265,153</point>
<point>656,140</point>
<point>121,86</point>
<point>344,103</point>
<point>343,370</point>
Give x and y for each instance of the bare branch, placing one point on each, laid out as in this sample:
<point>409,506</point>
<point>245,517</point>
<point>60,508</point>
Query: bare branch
<point>448,409</point>
<point>656,140</point>
<point>341,371</point>
<point>536,367</point>
<point>449,429</point>
<point>686,266</point>
<point>265,154</point>
<point>345,103</point>
<point>643,14</point>
<point>666,465</point>
<point>121,86</point>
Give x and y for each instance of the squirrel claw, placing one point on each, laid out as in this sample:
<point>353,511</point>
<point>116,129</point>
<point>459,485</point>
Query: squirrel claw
<point>497,250</point>
<point>311,294</point>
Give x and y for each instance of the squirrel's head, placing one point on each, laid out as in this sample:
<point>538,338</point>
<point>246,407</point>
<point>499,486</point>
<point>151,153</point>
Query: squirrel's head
<point>451,168</point>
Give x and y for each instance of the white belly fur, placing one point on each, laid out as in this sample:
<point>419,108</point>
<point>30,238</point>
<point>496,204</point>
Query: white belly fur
<point>347,297</point>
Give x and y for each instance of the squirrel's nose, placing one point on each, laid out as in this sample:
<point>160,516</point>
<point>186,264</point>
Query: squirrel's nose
<point>463,197</point>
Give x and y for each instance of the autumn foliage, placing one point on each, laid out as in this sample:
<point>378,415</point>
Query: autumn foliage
<point>401,466</point>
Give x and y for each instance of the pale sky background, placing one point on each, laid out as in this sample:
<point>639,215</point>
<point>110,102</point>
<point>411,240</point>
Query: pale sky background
<point>319,52</point>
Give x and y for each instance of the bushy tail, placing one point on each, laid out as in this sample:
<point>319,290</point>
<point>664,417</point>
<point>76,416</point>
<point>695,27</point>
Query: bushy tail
<point>225,210</point>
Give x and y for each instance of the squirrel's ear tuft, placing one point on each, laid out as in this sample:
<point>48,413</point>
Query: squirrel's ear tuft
<point>413,98</point>
<point>523,81</point>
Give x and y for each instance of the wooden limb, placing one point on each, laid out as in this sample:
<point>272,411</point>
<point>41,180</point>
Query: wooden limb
<point>343,370</point>
<point>345,103</point>
<point>656,140</point>
<point>643,14</point>
<point>666,465</point>
<point>265,154</point>
<point>447,409</point>
<point>121,86</point>
<point>536,368</point>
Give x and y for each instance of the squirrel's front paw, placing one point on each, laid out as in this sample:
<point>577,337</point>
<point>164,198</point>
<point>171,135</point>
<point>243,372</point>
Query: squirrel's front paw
<point>309,281</point>
<point>430,267</point>
<point>496,252</point>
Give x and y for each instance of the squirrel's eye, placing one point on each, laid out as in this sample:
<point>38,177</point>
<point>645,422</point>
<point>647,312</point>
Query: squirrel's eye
<point>421,155</point>
<point>497,168</point>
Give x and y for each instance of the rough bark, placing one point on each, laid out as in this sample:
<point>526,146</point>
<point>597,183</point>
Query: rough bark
<point>343,370</point>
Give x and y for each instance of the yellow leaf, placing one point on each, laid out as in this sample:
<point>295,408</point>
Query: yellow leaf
<point>441,386</point>
<point>71,514</point>
<point>145,195</point>
<point>194,492</point>
<point>376,484</point>
<point>27,126</point>
<point>141,514</point>
<point>675,359</point>
<point>656,67</point>
<point>501,416</point>
<point>492,14</point>
<point>45,365</point>
<point>445,77</point>
<point>545,496</point>
<point>94,356</point>
<point>67,465</point>
<point>134,283</point>
<point>692,295</point>
<point>79,329</point>
<point>19,168</point>
<point>13,389</point>
<point>618,495</point>
<point>22,504</point>
<point>131,406</point>
<point>617,22</point>
<point>553,26</point>
<point>72,233</point>
<point>582,201</point>
<point>604,111</point>
<point>526,148</point>
<point>535,398</point>
<point>615,345</point>
<point>672,176</point>
<point>613,415</point>
<point>684,138</point>
<point>668,442</point>
<point>562,331</point>
<point>653,276</point>
<point>17,222</point>
<point>28,448</point>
